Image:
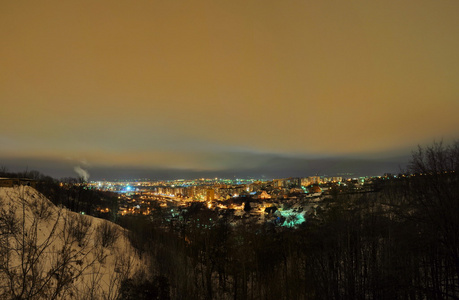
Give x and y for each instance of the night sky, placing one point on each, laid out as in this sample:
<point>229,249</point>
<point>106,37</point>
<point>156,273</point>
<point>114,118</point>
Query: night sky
<point>225,88</point>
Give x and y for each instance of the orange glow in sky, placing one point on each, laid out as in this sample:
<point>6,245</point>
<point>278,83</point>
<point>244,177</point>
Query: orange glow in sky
<point>193,84</point>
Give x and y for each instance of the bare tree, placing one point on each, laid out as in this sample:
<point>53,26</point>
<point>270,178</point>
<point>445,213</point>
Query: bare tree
<point>79,228</point>
<point>39,259</point>
<point>433,206</point>
<point>107,234</point>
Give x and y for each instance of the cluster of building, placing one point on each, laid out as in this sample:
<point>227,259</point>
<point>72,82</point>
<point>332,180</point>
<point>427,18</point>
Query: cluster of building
<point>218,189</point>
<point>281,199</point>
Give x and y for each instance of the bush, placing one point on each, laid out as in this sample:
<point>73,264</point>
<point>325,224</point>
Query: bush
<point>145,289</point>
<point>106,234</point>
<point>78,227</point>
<point>40,207</point>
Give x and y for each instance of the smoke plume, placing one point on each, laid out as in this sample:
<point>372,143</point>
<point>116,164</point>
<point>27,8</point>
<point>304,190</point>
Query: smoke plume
<point>82,173</point>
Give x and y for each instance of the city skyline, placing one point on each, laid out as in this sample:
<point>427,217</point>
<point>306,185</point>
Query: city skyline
<point>203,88</point>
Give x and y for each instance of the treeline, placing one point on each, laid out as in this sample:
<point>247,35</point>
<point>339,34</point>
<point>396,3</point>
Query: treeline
<point>399,242</point>
<point>72,193</point>
<point>76,196</point>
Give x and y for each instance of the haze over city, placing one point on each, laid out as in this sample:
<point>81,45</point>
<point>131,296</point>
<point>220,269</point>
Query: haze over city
<point>171,89</point>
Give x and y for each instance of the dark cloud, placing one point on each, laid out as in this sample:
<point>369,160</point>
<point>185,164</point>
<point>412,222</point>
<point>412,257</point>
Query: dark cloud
<point>262,166</point>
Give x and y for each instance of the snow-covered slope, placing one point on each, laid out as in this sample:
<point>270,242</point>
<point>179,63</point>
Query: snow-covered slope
<point>48,252</point>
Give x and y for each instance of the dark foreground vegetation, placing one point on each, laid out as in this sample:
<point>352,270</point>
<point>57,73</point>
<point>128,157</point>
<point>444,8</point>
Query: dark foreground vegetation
<point>71,193</point>
<point>400,241</point>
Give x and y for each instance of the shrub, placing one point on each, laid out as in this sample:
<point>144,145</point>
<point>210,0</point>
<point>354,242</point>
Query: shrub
<point>145,289</point>
<point>106,234</point>
<point>78,227</point>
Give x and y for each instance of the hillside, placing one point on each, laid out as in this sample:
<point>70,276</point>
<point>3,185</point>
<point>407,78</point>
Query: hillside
<point>48,252</point>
